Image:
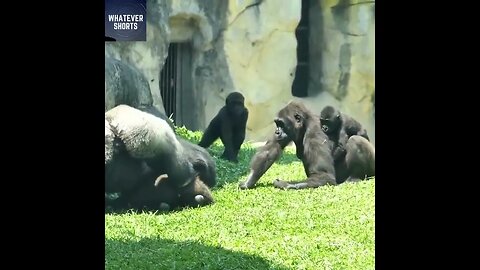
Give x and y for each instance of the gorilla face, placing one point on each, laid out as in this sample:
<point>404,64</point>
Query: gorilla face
<point>291,121</point>
<point>330,120</point>
<point>235,104</point>
<point>280,135</point>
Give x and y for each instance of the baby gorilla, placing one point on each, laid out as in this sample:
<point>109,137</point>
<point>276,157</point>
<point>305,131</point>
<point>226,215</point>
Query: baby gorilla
<point>339,127</point>
<point>353,154</point>
<point>229,125</point>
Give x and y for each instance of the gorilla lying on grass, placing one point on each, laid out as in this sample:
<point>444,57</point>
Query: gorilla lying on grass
<point>150,167</point>
<point>298,124</point>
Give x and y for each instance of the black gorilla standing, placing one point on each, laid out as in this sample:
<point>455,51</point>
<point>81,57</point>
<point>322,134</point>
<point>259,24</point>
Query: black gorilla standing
<point>229,125</point>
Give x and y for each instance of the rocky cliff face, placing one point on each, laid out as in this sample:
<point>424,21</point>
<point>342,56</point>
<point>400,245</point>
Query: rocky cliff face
<point>342,50</point>
<point>250,46</point>
<point>125,85</point>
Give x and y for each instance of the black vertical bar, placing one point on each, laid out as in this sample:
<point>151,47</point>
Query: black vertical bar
<point>174,103</point>
<point>178,80</point>
<point>162,86</point>
<point>172,81</point>
<point>169,80</point>
<point>170,86</point>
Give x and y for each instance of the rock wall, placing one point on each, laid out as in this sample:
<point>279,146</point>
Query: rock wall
<point>125,85</point>
<point>198,22</point>
<point>250,46</point>
<point>260,47</point>
<point>342,62</point>
<point>148,56</point>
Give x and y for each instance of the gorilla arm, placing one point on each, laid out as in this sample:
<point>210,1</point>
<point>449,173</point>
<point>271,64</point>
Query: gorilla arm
<point>340,151</point>
<point>265,157</point>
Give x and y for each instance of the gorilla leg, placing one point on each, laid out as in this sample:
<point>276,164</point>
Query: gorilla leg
<point>360,158</point>
<point>209,136</point>
<point>227,137</point>
<point>238,139</point>
<point>313,181</point>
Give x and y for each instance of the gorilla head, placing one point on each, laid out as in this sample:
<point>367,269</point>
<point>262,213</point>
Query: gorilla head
<point>292,120</point>
<point>235,104</point>
<point>335,123</point>
<point>330,119</point>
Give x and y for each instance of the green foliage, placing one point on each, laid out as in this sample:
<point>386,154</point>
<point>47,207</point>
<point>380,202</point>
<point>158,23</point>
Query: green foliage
<point>193,136</point>
<point>331,227</point>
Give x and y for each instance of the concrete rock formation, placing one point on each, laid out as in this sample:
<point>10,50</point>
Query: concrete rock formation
<point>250,46</point>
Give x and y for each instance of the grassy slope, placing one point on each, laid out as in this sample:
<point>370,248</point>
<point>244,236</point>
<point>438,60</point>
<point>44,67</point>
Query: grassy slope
<point>262,228</point>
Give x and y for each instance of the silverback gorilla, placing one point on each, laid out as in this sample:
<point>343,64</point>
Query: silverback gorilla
<point>150,166</point>
<point>296,123</point>
<point>228,125</point>
<point>341,130</point>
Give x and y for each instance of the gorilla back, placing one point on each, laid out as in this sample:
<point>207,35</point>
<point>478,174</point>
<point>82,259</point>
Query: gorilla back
<point>148,148</point>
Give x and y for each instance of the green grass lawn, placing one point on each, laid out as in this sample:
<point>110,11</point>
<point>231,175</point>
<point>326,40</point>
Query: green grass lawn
<point>330,227</point>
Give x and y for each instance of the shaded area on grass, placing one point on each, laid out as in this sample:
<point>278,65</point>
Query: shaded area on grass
<point>168,254</point>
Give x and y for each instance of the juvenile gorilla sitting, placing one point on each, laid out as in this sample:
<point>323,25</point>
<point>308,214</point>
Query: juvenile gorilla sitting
<point>296,123</point>
<point>229,125</point>
<point>314,148</point>
<point>141,148</point>
<point>339,127</point>
<point>347,137</point>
